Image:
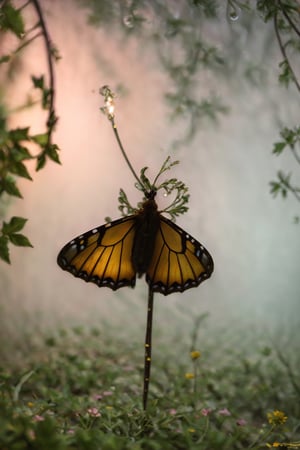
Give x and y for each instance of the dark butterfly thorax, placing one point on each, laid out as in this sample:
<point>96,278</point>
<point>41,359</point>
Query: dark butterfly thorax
<point>147,224</point>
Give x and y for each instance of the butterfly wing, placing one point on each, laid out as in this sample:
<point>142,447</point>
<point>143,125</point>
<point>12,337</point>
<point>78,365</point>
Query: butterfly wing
<point>102,255</point>
<point>179,262</point>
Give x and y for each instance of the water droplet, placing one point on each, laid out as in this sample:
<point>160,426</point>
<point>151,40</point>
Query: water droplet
<point>233,12</point>
<point>128,21</point>
<point>233,16</point>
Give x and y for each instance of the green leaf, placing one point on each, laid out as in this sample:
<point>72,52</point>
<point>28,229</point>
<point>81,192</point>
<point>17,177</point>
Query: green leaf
<point>38,82</point>
<point>278,147</point>
<point>4,251</point>
<point>275,188</point>
<point>52,120</point>
<point>19,134</point>
<point>11,19</point>
<point>4,59</point>
<point>9,185</point>
<point>15,224</point>
<point>20,240</point>
<point>40,139</point>
<point>291,136</point>
<point>41,161</point>
<point>19,153</point>
<point>18,168</point>
<point>17,390</point>
<point>46,97</point>
<point>51,151</point>
<point>286,74</point>
<point>124,205</point>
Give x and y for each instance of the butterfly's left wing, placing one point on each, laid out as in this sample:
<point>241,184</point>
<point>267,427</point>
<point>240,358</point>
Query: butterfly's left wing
<point>102,255</point>
<point>179,262</point>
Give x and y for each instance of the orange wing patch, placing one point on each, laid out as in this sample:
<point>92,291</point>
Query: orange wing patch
<point>102,255</point>
<point>179,262</point>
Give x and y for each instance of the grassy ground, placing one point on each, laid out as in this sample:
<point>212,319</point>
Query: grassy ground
<point>83,390</point>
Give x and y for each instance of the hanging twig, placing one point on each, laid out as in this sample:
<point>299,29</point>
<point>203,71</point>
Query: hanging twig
<point>52,119</point>
<point>297,31</point>
<point>282,49</point>
<point>295,154</point>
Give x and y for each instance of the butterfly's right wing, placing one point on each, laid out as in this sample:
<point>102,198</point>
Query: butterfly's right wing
<point>179,262</point>
<point>102,255</point>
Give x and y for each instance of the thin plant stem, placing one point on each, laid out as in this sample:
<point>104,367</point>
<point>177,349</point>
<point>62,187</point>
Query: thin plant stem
<point>27,42</point>
<point>24,6</point>
<point>148,339</point>
<point>293,190</point>
<point>296,156</point>
<point>124,153</point>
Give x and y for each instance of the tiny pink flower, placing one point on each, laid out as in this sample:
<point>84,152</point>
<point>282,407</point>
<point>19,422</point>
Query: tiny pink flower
<point>94,412</point>
<point>31,434</point>
<point>172,411</point>
<point>205,411</point>
<point>128,368</point>
<point>70,431</point>
<point>38,418</point>
<point>97,397</point>
<point>107,393</point>
<point>241,422</point>
<point>224,412</point>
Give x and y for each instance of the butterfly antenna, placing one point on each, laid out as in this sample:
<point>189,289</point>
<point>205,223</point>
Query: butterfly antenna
<point>148,339</point>
<point>109,111</point>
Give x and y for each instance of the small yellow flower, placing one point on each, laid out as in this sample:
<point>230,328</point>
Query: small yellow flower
<point>189,376</point>
<point>191,430</point>
<point>195,354</point>
<point>276,417</point>
<point>283,444</point>
<point>30,404</point>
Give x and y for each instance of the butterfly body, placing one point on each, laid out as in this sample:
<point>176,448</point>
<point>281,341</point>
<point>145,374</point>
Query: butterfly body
<point>147,224</point>
<point>113,254</point>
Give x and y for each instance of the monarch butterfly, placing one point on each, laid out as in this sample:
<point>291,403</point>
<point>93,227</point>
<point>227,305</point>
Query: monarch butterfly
<point>146,242</point>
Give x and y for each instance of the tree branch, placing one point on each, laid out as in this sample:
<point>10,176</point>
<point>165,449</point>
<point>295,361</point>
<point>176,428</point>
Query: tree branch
<point>51,115</point>
<point>297,31</point>
<point>282,49</point>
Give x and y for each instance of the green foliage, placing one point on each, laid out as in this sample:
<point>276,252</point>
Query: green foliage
<point>16,144</point>
<point>168,33</point>
<point>9,233</point>
<point>124,205</point>
<point>291,137</point>
<point>169,186</point>
<point>84,393</point>
<point>11,19</point>
<point>285,75</point>
<point>184,51</point>
<point>284,185</point>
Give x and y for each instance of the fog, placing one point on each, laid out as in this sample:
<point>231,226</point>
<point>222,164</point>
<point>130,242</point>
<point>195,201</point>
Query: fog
<point>227,166</point>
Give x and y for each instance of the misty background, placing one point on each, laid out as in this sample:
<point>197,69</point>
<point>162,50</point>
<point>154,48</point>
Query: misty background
<point>227,165</point>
